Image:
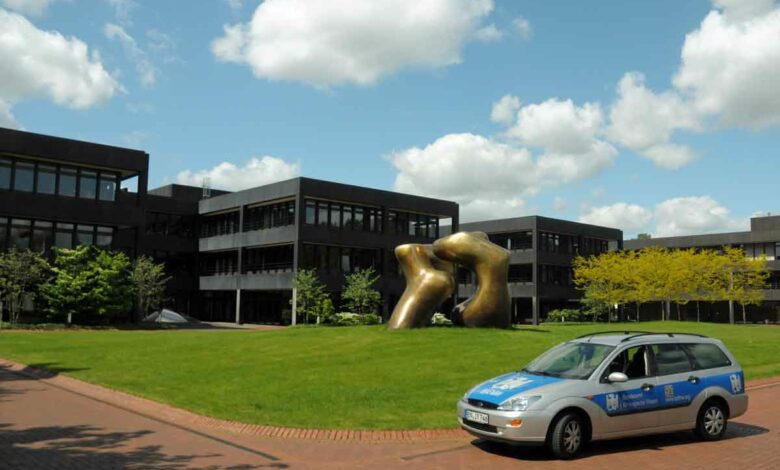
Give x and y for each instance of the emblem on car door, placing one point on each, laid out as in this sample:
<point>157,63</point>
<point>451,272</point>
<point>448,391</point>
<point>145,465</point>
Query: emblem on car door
<point>613,402</point>
<point>736,384</point>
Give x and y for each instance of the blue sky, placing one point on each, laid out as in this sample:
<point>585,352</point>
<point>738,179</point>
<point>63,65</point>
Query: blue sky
<point>379,100</point>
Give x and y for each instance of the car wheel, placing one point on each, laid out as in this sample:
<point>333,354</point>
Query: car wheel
<point>567,436</point>
<point>712,421</point>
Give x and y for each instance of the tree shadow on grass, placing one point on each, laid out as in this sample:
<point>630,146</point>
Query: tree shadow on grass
<point>81,447</point>
<point>655,442</point>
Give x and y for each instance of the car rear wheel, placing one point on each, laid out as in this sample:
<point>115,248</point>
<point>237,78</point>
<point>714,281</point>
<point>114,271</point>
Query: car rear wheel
<point>567,436</point>
<point>712,421</point>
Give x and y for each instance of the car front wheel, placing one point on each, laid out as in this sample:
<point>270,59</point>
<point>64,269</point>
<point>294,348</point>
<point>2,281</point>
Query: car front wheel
<point>567,436</point>
<point>712,421</point>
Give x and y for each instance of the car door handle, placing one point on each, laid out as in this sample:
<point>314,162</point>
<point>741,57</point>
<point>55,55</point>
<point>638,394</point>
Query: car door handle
<point>693,379</point>
<point>647,387</point>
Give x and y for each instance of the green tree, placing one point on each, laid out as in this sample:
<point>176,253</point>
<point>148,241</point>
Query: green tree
<point>359,294</point>
<point>310,295</point>
<point>89,281</point>
<point>741,280</point>
<point>21,275</point>
<point>149,282</point>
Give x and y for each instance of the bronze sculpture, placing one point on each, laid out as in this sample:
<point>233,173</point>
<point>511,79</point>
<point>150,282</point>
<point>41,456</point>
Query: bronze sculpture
<point>429,276</point>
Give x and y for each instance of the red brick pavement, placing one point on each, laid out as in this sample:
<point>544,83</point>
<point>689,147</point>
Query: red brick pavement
<point>62,423</point>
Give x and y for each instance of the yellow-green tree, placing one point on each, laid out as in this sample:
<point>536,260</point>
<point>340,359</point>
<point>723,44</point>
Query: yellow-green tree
<point>741,280</point>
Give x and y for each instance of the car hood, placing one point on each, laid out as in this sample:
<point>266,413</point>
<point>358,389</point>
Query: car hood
<point>502,388</point>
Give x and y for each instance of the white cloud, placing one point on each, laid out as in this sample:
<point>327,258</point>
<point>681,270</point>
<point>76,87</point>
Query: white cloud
<point>352,41</point>
<point>489,33</point>
<point>744,9</point>
<point>694,215</point>
<point>147,72</point>
<point>645,121</point>
<point>504,110</point>
<point>122,10</point>
<point>256,172</point>
<point>523,27</point>
<point>627,217</point>
<point>27,7</point>
<point>7,118</point>
<point>559,126</point>
<point>730,68</point>
<point>46,64</point>
<point>235,5</point>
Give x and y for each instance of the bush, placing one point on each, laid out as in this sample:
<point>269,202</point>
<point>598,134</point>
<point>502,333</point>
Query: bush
<point>566,314</point>
<point>439,319</point>
<point>353,319</point>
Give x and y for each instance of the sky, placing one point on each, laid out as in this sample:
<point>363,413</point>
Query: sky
<point>657,117</point>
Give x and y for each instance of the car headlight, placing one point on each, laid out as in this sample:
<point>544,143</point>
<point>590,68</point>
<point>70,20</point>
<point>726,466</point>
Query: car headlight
<point>518,403</point>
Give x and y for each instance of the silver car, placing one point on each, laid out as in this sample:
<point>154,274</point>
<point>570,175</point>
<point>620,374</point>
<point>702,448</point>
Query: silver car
<point>610,385</point>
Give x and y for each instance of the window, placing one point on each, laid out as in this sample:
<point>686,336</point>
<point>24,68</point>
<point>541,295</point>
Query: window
<point>521,273</point>
<point>269,216</point>
<point>105,236</point>
<point>23,176</point>
<point>322,213</point>
<point>85,234</point>
<point>47,179</point>
<point>670,359</point>
<point>335,215</point>
<point>19,236</point>
<point>43,236</point>
<point>220,224</point>
<point>311,212</point>
<point>707,356</point>
<point>63,235</point>
<point>107,187</point>
<point>556,275</point>
<point>265,259</point>
<point>87,184</point>
<point>5,173</point>
<point>570,360</point>
<point>357,218</point>
<point>633,362</point>
<point>67,182</point>
<point>3,232</point>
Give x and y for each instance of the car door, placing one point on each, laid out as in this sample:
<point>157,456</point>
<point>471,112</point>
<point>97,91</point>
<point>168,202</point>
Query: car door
<point>678,384</point>
<point>627,405</point>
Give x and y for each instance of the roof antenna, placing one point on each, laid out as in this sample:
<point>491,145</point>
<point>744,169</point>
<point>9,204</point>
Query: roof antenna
<point>206,187</point>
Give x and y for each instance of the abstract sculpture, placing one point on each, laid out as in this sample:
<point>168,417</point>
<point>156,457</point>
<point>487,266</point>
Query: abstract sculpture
<point>430,281</point>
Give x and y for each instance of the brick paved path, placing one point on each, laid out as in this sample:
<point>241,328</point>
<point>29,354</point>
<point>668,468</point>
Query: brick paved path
<point>61,423</point>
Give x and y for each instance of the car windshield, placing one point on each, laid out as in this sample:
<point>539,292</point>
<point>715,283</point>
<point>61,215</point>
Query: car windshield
<point>569,360</point>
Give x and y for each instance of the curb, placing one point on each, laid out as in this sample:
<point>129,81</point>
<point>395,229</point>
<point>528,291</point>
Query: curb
<point>180,417</point>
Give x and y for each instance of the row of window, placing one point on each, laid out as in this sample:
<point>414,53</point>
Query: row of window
<point>343,216</point>
<point>49,178</point>
<point>326,258</point>
<point>513,241</point>
<point>518,274</point>
<point>177,225</point>
<point>571,244</point>
<point>269,216</point>
<point>667,359</point>
<point>222,224</point>
<point>265,259</point>
<point>556,275</point>
<point>41,236</point>
<point>413,225</point>
<point>222,263</point>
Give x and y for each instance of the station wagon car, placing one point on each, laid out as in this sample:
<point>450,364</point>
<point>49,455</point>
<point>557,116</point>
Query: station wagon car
<point>610,385</point>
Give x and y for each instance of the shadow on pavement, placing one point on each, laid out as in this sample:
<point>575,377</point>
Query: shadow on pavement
<point>656,442</point>
<point>87,447</point>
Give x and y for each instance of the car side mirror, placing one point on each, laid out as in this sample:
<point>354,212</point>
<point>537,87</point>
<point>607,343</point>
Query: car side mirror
<point>617,377</point>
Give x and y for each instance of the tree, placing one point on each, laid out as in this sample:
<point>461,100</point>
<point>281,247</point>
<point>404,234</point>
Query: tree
<point>89,281</point>
<point>310,295</point>
<point>605,281</point>
<point>359,294</point>
<point>644,236</point>
<point>149,281</point>
<point>741,280</point>
<point>21,275</point>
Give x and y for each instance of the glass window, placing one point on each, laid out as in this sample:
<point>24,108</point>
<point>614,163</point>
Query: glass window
<point>47,179</point>
<point>23,176</point>
<point>105,235</point>
<point>67,182</point>
<point>20,234</point>
<point>357,218</point>
<point>347,217</point>
<point>707,356</point>
<point>311,212</point>
<point>3,232</point>
<point>63,235</point>
<point>345,264</point>
<point>87,184</point>
<point>670,359</point>
<point>85,234</point>
<point>107,187</point>
<point>335,215</point>
<point>322,213</point>
<point>43,237</point>
<point>5,173</point>
<point>569,360</point>
<point>633,362</point>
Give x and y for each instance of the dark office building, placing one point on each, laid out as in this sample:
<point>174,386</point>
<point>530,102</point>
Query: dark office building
<point>252,241</point>
<point>542,250</point>
<point>763,239</point>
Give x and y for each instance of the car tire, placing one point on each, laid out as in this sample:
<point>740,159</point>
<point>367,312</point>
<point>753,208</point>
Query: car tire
<point>567,436</point>
<point>712,421</point>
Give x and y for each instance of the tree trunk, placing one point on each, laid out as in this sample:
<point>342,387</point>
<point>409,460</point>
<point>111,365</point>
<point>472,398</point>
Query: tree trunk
<point>744,317</point>
<point>1,314</point>
<point>678,313</point>
<point>698,315</point>
<point>637,312</point>
<point>663,314</point>
<point>731,311</point>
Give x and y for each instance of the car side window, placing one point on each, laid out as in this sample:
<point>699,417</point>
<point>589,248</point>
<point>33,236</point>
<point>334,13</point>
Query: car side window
<point>671,359</point>
<point>631,361</point>
<point>707,356</point>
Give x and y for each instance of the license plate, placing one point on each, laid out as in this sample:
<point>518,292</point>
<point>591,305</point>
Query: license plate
<point>476,417</point>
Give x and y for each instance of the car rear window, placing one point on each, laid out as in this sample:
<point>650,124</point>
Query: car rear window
<point>707,356</point>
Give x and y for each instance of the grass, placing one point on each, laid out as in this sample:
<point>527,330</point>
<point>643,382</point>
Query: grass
<point>356,377</point>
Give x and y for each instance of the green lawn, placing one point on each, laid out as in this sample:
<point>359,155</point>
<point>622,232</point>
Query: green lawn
<point>359,377</point>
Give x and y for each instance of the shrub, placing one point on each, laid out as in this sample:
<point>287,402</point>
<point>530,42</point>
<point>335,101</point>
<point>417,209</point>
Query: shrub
<point>353,319</point>
<point>439,319</point>
<point>566,314</point>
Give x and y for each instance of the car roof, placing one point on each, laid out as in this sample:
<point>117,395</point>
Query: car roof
<point>613,338</point>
